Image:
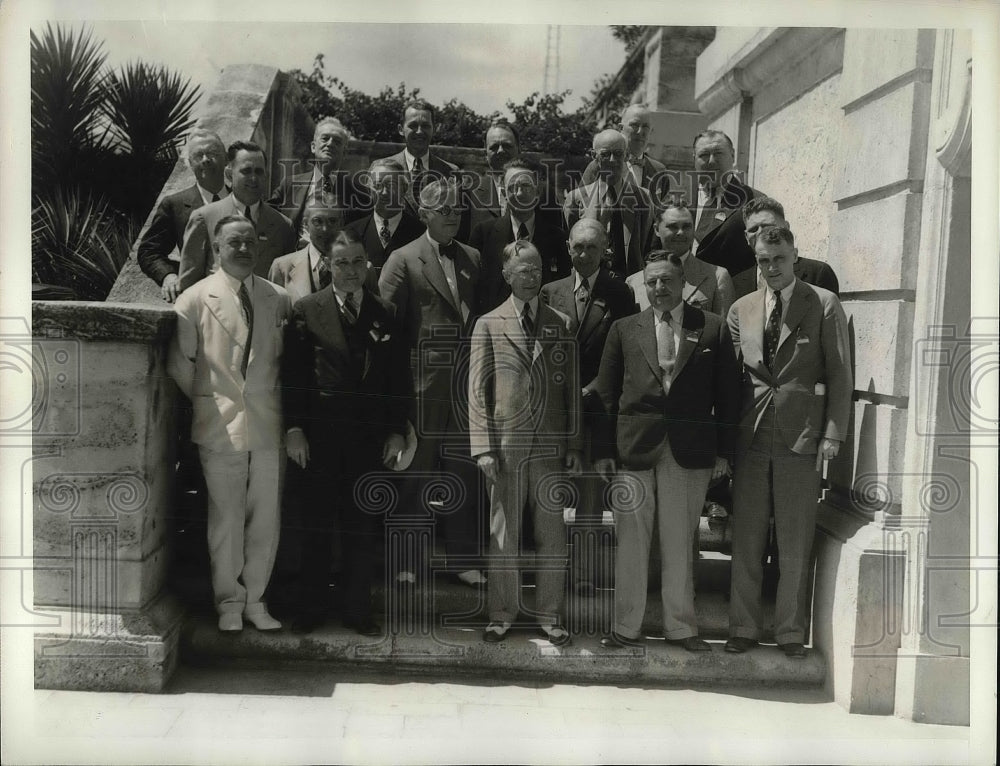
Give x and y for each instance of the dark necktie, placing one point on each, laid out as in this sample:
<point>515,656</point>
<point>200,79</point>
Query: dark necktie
<point>248,316</point>
<point>773,332</point>
<point>350,309</point>
<point>325,277</point>
<point>619,263</point>
<point>522,231</point>
<point>215,198</point>
<point>416,180</point>
<point>582,297</point>
<point>528,324</point>
<point>246,214</point>
<point>384,234</point>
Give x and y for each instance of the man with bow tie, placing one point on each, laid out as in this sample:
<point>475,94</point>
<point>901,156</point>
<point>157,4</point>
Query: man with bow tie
<point>328,147</point>
<point>645,171</point>
<point>593,300</point>
<point>247,175</point>
<point>614,199</point>
<point>792,341</point>
<point>524,420</point>
<point>520,190</point>
<point>225,357</point>
<point>347,396</point>
<point>670,389</point>
<point>390,225</point>
<point>432,285</point>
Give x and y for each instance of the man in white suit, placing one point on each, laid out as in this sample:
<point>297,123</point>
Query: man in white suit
<point>226,358</point>
<point>524,423</point>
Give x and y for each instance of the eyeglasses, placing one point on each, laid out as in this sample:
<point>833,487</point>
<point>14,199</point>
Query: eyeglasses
<point>448,210</point>
<point>527,271</point>
<point>606,155</point>
<point>654,281</point>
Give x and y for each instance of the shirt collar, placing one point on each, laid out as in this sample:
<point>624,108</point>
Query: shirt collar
<point>234,284</point>
<point>393,222</point>
<point>435,244</point>
<point>577,280</point>
<point>314,257</point>
<point>206,195</point>
<point>519,305</point>
<point>529,222</point>
<point>342,296</point>
<point>409,159</point>
<point>239,207</point>
<point>786,293</point>
<point>676,315</point>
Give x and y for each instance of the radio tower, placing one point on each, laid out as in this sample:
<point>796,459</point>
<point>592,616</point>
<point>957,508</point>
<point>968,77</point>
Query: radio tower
<point>550,80</point>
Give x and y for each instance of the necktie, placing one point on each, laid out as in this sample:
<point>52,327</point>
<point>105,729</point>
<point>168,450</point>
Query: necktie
<point>582,297</point>
<point>448,251</point>
<point>246,214</point>
<point>416,180</point>
<point>215,198</point>
<point>772,332</point>
<point>522,231</point>
<point>384,234</point>
<point>325,277</point>
<point>666,352</point>
<point>617,238</point>
<point>350,309</point>
<point>528,324</point>
<point>248,316</point>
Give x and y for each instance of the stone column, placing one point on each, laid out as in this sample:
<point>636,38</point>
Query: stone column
<point>102,472</point>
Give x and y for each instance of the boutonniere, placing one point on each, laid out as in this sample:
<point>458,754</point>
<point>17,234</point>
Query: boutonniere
<point>600,303</point>
<point>721,216</point>
<point>378,335</point>
<point>691,335</point>
<point>465,274</point>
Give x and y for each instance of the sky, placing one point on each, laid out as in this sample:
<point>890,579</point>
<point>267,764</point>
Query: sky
<point>482,65</point>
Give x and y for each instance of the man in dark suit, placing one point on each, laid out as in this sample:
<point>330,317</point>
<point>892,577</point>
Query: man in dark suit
<point>669,383</point>
<point>646,172</point>
<point>524,406</point>
<point>206,156</point>
<point>791,339</point>
<point>519,221</point>
<point>432,284</point>
<point>417,130</point>
<point>329,144</point>
<point>718,217</point>
<point>765,211</point>
<point>593,299</point>
<point>225,357</point>
<point>486,200</point>
<point>615,201</point>
<point>390,225</point>
<point>246,173</point>
<point>347,395</point>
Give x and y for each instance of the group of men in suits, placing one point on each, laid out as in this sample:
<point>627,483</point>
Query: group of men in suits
<point>518,346</point>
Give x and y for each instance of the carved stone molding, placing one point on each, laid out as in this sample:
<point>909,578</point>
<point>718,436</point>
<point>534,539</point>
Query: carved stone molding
<point>951,127</point>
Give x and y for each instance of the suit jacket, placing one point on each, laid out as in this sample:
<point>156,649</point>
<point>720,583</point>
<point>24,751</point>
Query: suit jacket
<point>698,415</point>
<point>706,287</point>
<point>364,397</point>
<point>166,232</point>
<point>293,272</point>
<point>721,238</point>
<point>290,196</point>
<point>231,413</point>
<point>277,237</point>
<point>491,237</point>
<point>817,273</point>
<point>409,229</point>
<point>655,180</point>
<point>610,300</point>
<point>813,349</point>
<point>413,283</point>
<point>586,201</point>
<point>522,392</point>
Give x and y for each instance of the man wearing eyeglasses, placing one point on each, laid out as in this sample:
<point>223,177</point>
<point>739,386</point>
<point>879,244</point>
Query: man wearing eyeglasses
<point>669,384</point>
<point>390,225</point>
<point>520,190</point>
<point>524,421</point>
<point>616,201</point>
<point>432,284</point>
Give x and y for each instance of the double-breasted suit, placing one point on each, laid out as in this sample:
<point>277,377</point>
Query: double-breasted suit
<point>666,443</point>
<point>347,386</point>
<point>491,237</point>
<point>706,287</point>
<point>436,324</point>
<point>590,201</point>
<point>274,232</point>
<point>524,408</point>
<point>787,409</point>
<point>237,425</point>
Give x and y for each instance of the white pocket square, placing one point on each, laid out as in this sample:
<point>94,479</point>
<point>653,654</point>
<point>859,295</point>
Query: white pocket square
<point>802,340</point>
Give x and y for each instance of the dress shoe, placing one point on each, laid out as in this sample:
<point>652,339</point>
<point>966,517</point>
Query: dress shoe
<point>793,650</point>
<point>261,620</point>
<point>618,641</point>
<point>230,622</point>
<point>556,634</point>
<point>306,623</point>
<point>496,632</point>
<point>364,626</point>
<point>584,588</point>
<point>473,578</point>
<point>716,512</point>
<point>690,644</point>
<point>738,644</point>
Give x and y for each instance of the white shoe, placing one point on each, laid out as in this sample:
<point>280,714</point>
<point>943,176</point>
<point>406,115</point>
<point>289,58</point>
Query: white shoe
<point>262,620</point>
<point>230,622</point>
<point>472,577</point>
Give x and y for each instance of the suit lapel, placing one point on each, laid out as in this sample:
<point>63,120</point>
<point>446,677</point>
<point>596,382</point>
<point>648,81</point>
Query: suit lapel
<point>752,331</point>
<point>513,331</point>
<point>435,274</point>
<point>797,307</point>
<point>690,337</point>
<point>220,302</point>
<point>329,320</point>
<point>646,337</point>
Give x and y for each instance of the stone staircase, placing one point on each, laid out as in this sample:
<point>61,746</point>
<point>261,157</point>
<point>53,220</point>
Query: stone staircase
<point>448,645</point>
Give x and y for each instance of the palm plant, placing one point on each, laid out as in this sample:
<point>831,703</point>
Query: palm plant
<point>103,143</point>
